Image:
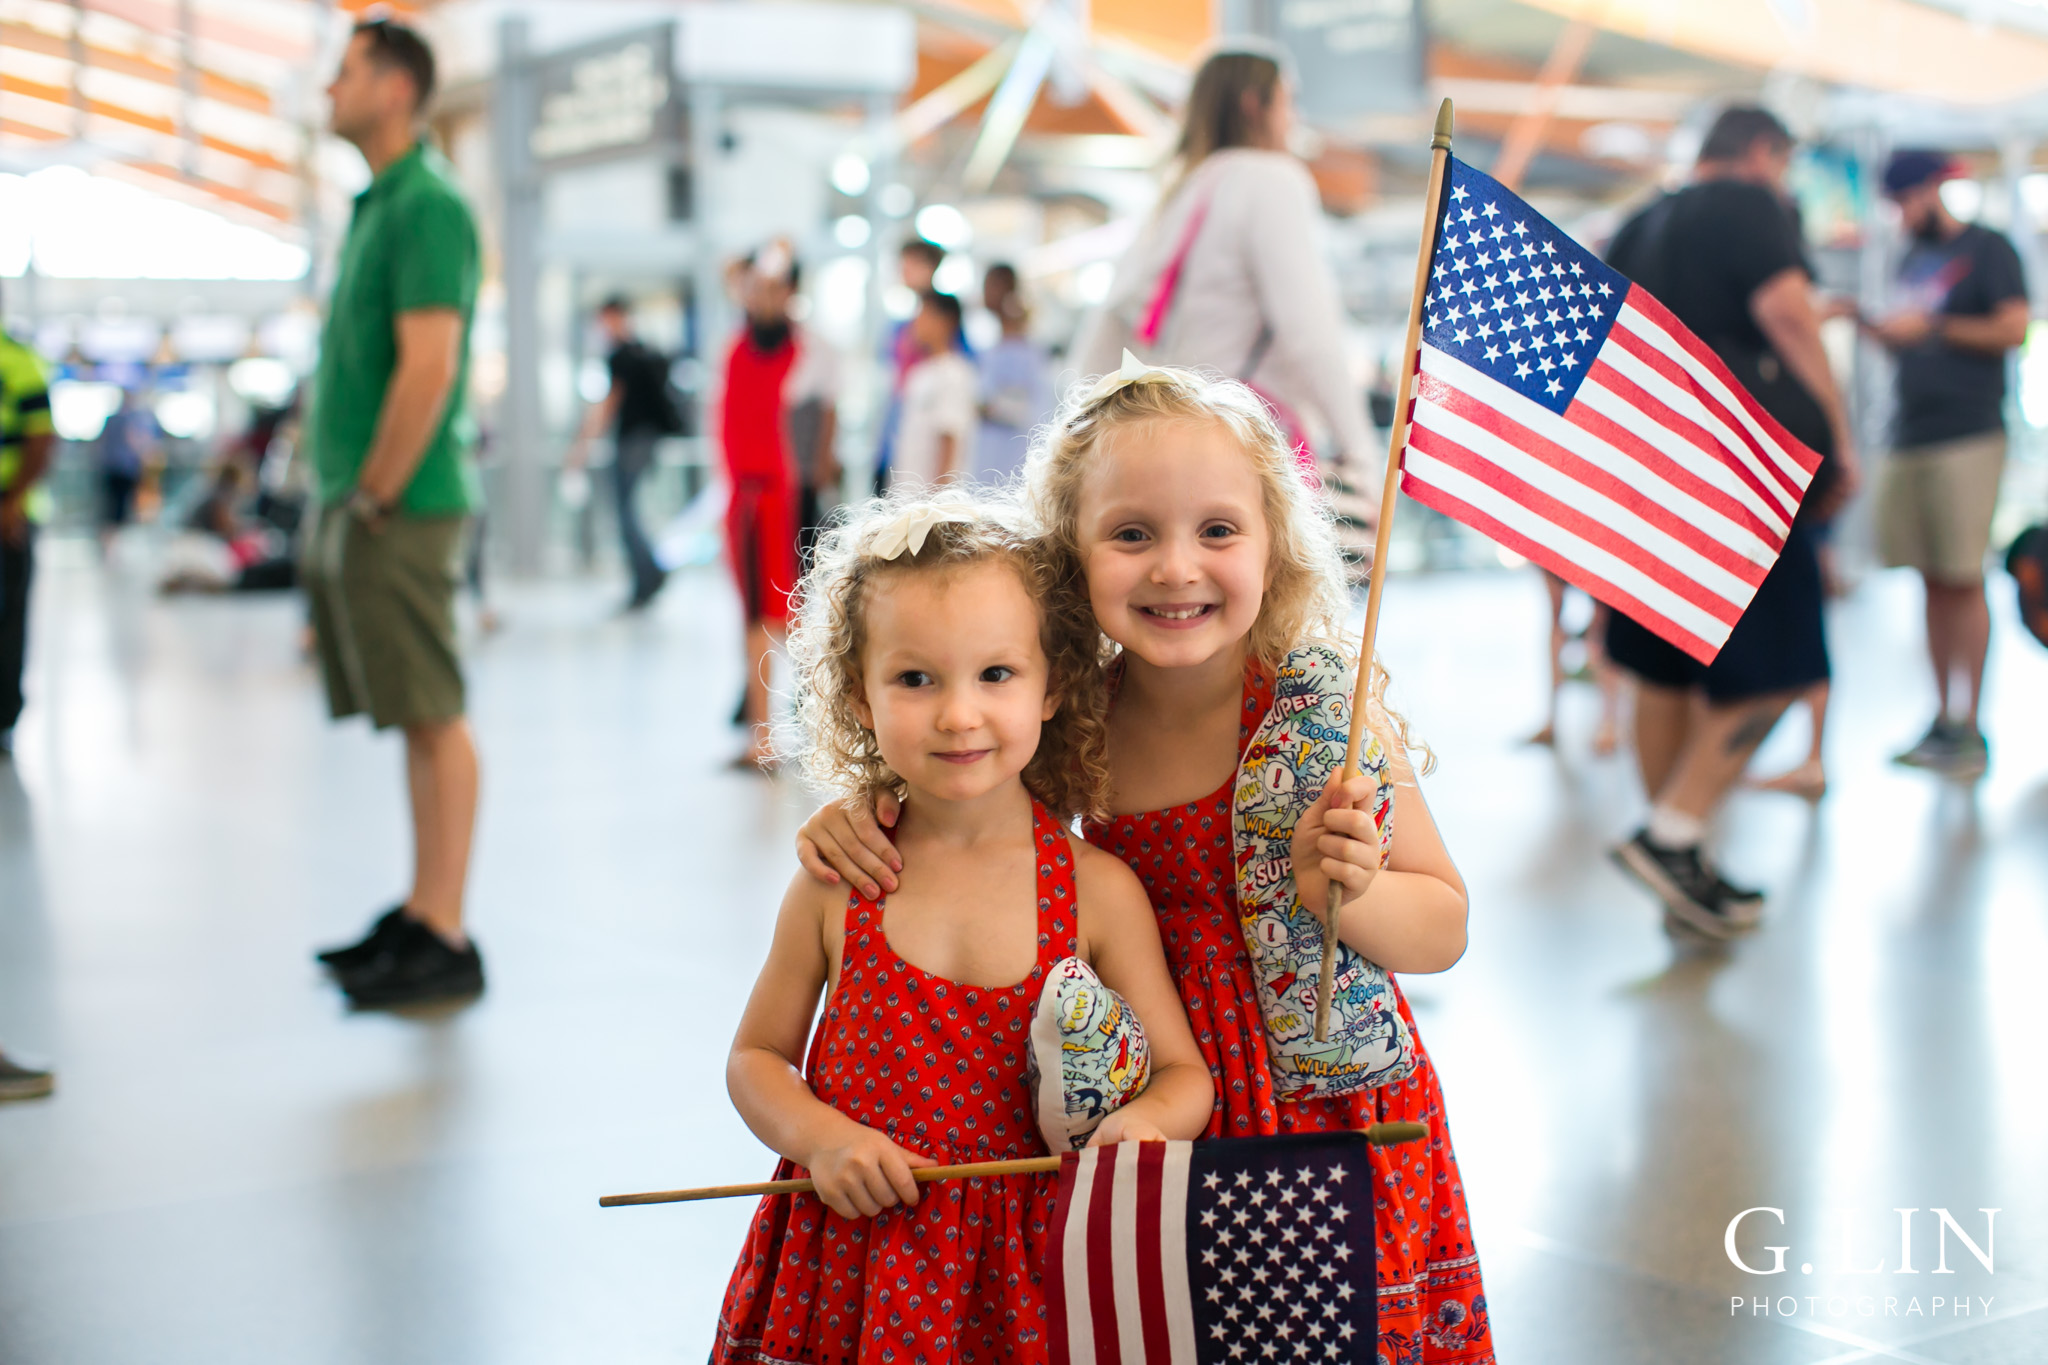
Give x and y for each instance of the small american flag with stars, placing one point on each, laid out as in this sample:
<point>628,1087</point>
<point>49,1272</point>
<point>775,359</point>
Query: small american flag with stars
<point>1567,414</point>
<point>1229,1250</point>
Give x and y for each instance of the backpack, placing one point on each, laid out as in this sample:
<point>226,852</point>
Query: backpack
<point>672,410</point>
<point>2027,562</point>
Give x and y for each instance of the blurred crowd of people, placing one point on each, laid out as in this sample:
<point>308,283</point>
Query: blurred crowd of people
<point>1228,275</point>
<point>1727,255</point>
<point>955,414</point>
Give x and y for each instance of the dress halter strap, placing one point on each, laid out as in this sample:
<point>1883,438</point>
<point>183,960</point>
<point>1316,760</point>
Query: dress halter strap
<point>1058,905</point>
<point>1258,699</point>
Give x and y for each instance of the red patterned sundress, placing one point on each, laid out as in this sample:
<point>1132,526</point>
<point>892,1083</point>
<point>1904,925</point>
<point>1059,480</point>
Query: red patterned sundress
<point>939,1067</point>
<point>1432,1304</point>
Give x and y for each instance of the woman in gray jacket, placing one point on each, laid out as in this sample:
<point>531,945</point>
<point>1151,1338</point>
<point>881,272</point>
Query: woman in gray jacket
<point>1231,274</point>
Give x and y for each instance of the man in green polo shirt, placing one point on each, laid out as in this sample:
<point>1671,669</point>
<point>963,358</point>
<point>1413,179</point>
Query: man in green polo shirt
<point>390,436</point>
<point>25,439</point>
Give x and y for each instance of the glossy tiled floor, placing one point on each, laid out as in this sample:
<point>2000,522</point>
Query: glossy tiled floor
<point>236,1170</point>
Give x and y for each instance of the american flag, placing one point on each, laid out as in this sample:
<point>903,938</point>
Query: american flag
<point>1568,415</point>
<point>1205,1253</point>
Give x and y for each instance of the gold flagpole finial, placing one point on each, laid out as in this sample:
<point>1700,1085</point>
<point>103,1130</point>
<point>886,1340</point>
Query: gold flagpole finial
<point>1442,140</point>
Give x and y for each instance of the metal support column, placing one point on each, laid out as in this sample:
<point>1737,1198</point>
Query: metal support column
<point>713,323</point>
<point>188,92</point>
<point>78,57</point>
<point>2015,160</point>
<point>519,439</point>
<point>306,111</point>
<point>883,243</point>
<point>1869,390</point>
<point>707,252</point>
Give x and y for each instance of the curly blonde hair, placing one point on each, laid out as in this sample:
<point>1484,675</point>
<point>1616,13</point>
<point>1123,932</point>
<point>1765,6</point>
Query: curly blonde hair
<point>1307,598</point>
<point>1069,773</point>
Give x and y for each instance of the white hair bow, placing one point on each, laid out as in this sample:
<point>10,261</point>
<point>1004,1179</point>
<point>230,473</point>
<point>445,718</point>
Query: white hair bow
<point>1132,371</point>
<point>907,529</point>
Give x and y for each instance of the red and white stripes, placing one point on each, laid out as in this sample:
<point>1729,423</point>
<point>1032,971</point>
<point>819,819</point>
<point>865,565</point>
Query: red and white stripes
<point>1662,489</point>
<point>1128,1213</point>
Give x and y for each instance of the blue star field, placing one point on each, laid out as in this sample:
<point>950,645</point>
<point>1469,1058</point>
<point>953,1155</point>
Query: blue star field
<point>1512,296</point>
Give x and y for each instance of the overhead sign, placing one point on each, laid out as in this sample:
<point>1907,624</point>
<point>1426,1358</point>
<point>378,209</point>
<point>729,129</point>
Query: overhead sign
<point>605,99</point>
<point>1353,57</point>
<point>789,45</point>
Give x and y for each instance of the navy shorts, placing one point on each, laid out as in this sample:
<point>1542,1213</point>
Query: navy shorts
<point>1777,646</point>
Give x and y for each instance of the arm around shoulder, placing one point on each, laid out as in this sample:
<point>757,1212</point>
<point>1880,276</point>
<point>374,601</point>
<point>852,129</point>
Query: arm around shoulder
<point>1120,940</point>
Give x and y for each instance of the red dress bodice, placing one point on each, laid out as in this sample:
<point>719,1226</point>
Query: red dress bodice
<point>1432,1304</point>
<point>938,1066</point>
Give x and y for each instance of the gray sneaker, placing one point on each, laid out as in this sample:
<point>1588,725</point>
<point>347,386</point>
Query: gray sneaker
<point>18,1082</point>
<point>1936,749</point>
<point>1969,754</point>
<point>1952,748</point>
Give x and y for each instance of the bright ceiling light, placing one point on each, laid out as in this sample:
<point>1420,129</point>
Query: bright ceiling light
<point>80,409</point>
<point>1092,282</point>
<point>895,200</point>
<point>955,276</point>
<point>185,413</point>
<point>262,379</point>
<point>850,173</point>
<point>1963,198</point>
<point>944,224</point>
<point>852,231</point>
<point>88,227</point>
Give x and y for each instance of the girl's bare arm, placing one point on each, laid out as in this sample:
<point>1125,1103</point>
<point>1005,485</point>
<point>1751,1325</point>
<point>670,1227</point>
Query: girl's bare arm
<point>1120,939</point>
<point>857,1169</point>
<point>1408,916</point>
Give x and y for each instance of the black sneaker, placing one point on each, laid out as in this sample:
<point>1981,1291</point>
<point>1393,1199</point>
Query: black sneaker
<point>349,956</point>
<point>644,594</point>
<point>417,969</point>
<point>18,1082</point>
<point>1745,907</point>
<point>1690,889</point>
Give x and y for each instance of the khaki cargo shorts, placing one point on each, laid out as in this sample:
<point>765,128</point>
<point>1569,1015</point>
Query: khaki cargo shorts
<point>1934,506</point>
<point>383,609</point>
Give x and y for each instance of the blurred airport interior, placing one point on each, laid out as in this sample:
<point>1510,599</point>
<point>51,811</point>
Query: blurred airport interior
<point>179,826</point>
<point>169,206</point>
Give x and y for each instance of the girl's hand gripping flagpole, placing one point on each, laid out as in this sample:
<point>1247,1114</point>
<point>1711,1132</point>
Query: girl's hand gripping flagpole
<point>1440,145</point>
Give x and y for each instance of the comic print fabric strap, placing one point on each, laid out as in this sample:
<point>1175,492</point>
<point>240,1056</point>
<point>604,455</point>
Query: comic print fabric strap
<point>1298,745</point>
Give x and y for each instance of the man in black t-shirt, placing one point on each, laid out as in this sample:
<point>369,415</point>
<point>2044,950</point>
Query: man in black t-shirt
<point>1724,255</point>
<point>638,411</point>
<point>1961,304</point>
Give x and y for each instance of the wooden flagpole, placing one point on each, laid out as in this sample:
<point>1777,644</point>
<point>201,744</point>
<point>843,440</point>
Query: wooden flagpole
<point>1397,443</point>
<point>1379,1134</point>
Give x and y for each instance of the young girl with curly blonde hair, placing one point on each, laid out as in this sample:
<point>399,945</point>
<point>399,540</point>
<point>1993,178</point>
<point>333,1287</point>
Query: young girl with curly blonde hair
<point>1173,502</point>
<point>940,660</point>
